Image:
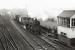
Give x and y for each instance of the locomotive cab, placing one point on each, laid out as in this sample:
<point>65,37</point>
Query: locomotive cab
<point>66,27</point>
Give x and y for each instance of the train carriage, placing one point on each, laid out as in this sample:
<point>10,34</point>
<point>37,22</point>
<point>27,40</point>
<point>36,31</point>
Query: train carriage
<point>66,27</point>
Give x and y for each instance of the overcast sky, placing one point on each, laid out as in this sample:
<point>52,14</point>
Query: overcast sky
<point>41,8</point>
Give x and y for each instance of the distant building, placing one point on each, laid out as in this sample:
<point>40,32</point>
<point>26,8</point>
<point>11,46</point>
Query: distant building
<point>66,26</point>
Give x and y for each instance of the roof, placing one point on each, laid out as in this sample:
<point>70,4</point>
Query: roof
<point>67,13</point>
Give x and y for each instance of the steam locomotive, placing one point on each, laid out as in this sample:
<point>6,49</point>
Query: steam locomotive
<point>31,24</point>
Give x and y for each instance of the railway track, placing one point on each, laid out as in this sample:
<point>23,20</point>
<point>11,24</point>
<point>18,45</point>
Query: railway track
<point>7,39</point>
<point>31,41</point>
<point>55,42</point>
<point>6,42</point>
<point>37,42</point>
<point>45,44</point>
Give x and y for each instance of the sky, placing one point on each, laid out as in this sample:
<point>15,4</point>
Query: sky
<point>39,8</point>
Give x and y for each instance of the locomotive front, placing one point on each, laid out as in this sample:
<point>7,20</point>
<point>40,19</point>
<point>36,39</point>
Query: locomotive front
<point>34,26</point>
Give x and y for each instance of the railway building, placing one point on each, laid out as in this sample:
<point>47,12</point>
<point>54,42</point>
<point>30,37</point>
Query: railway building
<point>66,27</point>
